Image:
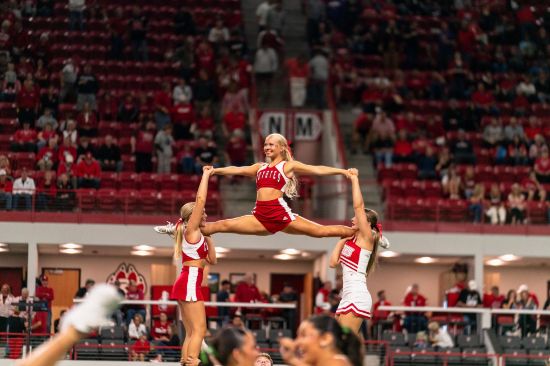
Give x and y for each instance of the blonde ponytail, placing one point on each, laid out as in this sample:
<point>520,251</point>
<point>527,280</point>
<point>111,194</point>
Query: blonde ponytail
<point>185,212</point>
<point>372,217</point>
<point>292,185</point>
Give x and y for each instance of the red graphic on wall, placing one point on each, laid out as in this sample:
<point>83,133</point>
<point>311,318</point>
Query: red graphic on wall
<point>124,274</point>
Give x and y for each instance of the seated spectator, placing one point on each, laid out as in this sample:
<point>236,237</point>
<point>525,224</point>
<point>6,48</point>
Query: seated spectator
<point>70,131</point>
<point>516,203</point>
<point>493,135</point>
<point>204,125</point>
<point>163,106</point>
<point>27,101</point>
<point>161,334</point>
<point>496,210</point>
<point>533,128</point>
<point>136,328</point>
<point>518,152</point>
<point>538,145</point>
<point>527,322</point>
<point>46,158</point>
<point>542,167</point>
<point>66,149</point>
<point>134,293</point>
<point>140,348</point>
<point>439,338</point>
<point>513,130</point>
<point>5,164</point>
<point>378,315</point>
<point>88,172</point>
<point>108,107</point>
<point>482,98</point>
<point>47,117</point>
<point>493,300</point>
<point>45,135</point>
<point>65,197</point>
<point>46,191</point>
<point>182,92</point>
<point>23,188</point>
<point>444,161</point>
<point>204,90</point>
<point>415,321</point>
<point>50,101</point>
<point>183,22</point>
<point>233,120</point>
<point>128,110</point>
<point>183,116</point>
<point>453,117</point>
<point>532,188</point>
<point>463,152</point>
<point>164,146</point>
<point>469,181</point>
<point>108,155</point>
<point>236,149</point>
<point>402,150</point>
<point>361,128</point>
<point>84,290</point>
<point>67,166</point>
<point>382,138</point>
<point>451,183</point>
<point>476,202</point>
<point>76,15</point>
<point>24,139</point>
<point>237,322</point>
<point>143,145</point>
<point>234,99</point>
<point>218,35</point>
<point>5,189</point>
<point>87,87</point>
<point>10,84</point>
<point>205,154</point>
<point>86,121</point>
<point>84,147</point>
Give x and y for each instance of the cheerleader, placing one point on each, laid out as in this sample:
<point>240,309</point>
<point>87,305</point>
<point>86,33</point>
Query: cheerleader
<point>274,179</point>
<point>195,251</point>
<point>357,255</point>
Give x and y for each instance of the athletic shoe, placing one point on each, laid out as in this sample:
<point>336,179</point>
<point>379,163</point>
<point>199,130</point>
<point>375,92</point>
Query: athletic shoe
<point>95,311</point>
<point>166,229</point>
<point>384,242</point>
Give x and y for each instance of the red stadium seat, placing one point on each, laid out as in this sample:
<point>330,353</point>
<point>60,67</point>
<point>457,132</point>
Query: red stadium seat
<point>128,180</point>
<point>537,212</point>
<point>149,181</point>
<point>129,200</point>
<point>170,182</point>
<point>108,200</point>
<point>87,199</point>
<point>109,180</point>
<point>149,200</point>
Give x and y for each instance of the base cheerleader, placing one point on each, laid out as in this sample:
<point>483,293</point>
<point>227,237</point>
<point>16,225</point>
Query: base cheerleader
<point>357,256</point>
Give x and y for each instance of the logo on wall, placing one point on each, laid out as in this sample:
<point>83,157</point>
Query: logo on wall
<point>299,126</point>
<point>125,273</point>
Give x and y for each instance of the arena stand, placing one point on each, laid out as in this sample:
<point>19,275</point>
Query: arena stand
<point>435,70</point>
<point>128,87</point>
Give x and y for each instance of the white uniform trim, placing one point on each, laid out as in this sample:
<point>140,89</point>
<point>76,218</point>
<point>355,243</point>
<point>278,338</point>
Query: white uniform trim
<point>288,211</point>
<point>189,249</point>
<point>191,293</point>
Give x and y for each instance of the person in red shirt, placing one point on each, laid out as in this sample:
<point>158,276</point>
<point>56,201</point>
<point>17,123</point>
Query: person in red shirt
<point>66,149</point>
<point>493,299</point>
<point>45,135</point>
<point>88,172</point>
<point>47,156</point>
<point>140,348</point>
<point>6,187</point>
<point>482,98</point>
<point>237,149</point>
<point>133,292</point>
<point>143,145</point>
<point>322,304</point>
<point>378,315</point>
<point>234,119</point>
<point>161,333</point>
<point>46,191</point>
<point>27,101</point>
<point>45,293</point>
<point>163,105</point>
<point>415,322</point>
<point>183,117</point>
<point>533,128</point>
<point>24,139</point>
<point>247,291</point>
<point>86,121</point>
<point>361,128</point>
<point>204,125</point>
<point>298,71</point>
<point>542,167</point>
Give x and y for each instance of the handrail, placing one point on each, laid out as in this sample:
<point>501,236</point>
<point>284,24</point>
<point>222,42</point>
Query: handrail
<point>208,303</point>
<point>439,309</point>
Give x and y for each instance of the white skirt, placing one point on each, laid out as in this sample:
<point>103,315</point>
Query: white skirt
<point>356,298</point>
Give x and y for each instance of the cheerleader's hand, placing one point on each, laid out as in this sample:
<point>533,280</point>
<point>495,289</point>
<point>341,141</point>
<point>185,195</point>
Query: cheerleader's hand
<point>353,172</point>
<point>208,170</point>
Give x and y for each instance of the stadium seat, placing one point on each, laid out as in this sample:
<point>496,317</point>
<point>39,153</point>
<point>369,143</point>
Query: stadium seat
<point>512,342</point>
<point>108,200</point>
<point>394,338</point>
<point>534,342</point>
<point>114,332</point>
<point>515,357</point>
<point>87,349</point>
<point>468,341</point>
<point>87,199</point>
<point>538,357</point>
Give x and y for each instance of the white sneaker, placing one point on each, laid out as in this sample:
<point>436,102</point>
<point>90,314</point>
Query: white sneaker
<point>384,242</point>
<point>95,311</point>
<point>169,228</point>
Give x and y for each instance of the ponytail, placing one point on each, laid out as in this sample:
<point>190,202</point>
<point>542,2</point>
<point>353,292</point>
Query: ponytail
<point>376,230</point>
<point>185,212</point>
<point>345,341</point>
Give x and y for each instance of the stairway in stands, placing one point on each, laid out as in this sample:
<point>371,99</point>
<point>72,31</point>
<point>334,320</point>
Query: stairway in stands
<point>372,192</point>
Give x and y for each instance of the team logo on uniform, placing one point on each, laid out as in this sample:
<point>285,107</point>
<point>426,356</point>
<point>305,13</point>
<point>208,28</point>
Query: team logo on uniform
<point>347,251</point>
<point>126,272</point>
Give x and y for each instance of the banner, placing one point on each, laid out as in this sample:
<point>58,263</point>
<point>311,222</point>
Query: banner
<point>294,125</point>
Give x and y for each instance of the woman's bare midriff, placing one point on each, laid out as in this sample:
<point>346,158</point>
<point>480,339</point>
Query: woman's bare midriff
<point>268,194</point>
<point>194,263</point>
